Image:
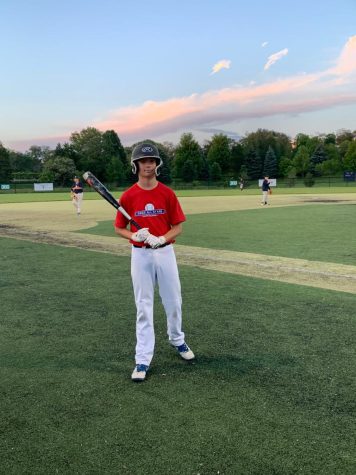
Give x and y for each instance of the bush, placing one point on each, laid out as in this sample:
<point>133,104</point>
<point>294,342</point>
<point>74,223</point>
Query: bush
<point>309,180</point>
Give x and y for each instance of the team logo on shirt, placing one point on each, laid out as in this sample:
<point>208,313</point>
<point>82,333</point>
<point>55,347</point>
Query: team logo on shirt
<point>150,211</point>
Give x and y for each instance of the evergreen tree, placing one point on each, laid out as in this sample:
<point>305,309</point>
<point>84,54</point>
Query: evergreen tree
<point>319,156</point>
<point>270,167</point>
<point>253,164</point>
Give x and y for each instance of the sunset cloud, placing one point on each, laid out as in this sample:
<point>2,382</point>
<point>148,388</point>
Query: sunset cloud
<point>275,57</point>
<point>222,64</point>
<point>288,96</point>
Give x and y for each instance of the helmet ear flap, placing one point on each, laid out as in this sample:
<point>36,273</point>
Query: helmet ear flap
<point>157,170</point>
<point>133,167</point>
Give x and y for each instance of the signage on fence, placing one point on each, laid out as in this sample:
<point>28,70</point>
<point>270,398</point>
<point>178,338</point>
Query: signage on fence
<point>349,176</point>
<point>5,186</point>
<point>272,182</point>
<point>43,186</point>
<point>233,183</point>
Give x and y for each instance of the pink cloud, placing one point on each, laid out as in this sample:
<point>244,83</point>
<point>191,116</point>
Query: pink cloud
<point>304,92</point>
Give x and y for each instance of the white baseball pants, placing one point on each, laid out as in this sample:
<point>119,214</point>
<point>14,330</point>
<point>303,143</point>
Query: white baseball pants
<point>264,196</point>
<point>148,267</point>
<point>77,201</point>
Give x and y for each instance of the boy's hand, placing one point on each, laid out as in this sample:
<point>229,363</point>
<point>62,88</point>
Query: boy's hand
<point>141,235</point>
<point>155,241</point>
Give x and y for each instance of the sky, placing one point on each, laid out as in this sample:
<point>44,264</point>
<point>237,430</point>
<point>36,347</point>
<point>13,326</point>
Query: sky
<point>155,69</point>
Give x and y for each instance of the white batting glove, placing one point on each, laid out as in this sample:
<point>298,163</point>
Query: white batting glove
<point>141,235</point>
<point>155,241</point>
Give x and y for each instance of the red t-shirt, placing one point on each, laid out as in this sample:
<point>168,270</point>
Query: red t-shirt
<point>157,209</point>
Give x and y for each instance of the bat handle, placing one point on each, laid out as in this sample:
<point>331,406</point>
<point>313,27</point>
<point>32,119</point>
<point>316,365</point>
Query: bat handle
<point>132,221</point>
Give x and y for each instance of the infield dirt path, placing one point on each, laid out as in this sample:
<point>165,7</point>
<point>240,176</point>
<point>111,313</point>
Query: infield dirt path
<point>56,223</point>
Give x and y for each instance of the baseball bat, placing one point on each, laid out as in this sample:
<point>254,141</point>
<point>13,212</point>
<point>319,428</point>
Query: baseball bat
<point>105,193</point>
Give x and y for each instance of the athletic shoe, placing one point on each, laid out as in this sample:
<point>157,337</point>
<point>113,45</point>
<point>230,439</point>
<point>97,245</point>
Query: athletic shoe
<point>139,373</point>
<point>185,352</point>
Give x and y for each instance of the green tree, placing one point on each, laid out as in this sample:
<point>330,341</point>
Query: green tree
<point>89,147</point>
<point>58,170</point>
<point>319,156</point>
<point>330,139</point>
<point>311,143</point>
<point>285,164</point>
<point>343,147</point>
<point>237,158</point>
<point>5,165</point>
<point>301,161</point>
<point>270,167</point>
<point>215,171</point>
<point>262,139</point>
<point>66,150</point>
<point>292,176</point>
<point>23,162</point>
<point>189,172</point>
<point>114,158</point>
<point>253,164</point>
<point>350,158</point>
<point>219,152</point>
<point>188,149</point>
<point>344,134</point>
<point>329,167</point>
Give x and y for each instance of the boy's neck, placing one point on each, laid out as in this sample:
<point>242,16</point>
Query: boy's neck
<point>147,183</point>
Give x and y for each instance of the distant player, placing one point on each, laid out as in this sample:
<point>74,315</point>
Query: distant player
<point>76,193</point>
<point>265,190</point>
<point>156,208</point>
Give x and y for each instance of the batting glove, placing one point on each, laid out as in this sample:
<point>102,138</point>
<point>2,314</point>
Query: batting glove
<point>155,241</point>
<point>141,235</point>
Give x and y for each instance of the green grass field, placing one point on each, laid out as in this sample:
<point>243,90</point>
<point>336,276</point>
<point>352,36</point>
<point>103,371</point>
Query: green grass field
<point>89,194</point>
<point>314,232</point>
<point>272,391</point>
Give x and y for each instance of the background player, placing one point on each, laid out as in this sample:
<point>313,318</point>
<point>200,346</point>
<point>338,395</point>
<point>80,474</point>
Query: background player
<point>156,208</point>
<point>265,190</point>
<point>76,193</point>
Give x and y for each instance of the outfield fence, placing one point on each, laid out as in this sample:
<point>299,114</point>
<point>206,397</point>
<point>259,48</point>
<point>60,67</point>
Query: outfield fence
<point>319,182</point>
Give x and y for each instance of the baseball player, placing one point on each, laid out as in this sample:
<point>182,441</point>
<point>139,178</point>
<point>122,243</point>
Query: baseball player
<point>265,189</point>
<point>156,208</point>
<point>76,193</point>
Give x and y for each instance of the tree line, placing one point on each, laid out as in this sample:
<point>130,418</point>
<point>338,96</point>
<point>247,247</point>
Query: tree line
<point>257,154</point>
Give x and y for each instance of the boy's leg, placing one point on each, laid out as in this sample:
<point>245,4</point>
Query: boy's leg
<point>170,292</point>
<point>143,280</point>
<point>79,202</point>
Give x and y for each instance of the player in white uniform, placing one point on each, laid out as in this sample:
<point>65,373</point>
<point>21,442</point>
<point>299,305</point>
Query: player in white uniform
<point>76,193</point>
<point>156,208</point>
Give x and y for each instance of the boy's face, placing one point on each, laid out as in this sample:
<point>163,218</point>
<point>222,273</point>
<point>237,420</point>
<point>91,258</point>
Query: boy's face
<point>147,166</point>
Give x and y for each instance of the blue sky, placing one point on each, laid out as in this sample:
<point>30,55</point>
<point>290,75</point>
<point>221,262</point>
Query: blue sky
<point>146,68</point>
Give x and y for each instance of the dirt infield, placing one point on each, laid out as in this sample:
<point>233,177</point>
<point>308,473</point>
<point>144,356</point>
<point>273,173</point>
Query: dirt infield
<point>56,223</point>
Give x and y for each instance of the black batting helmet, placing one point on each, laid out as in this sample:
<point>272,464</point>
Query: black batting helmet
<point>145,150</point>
